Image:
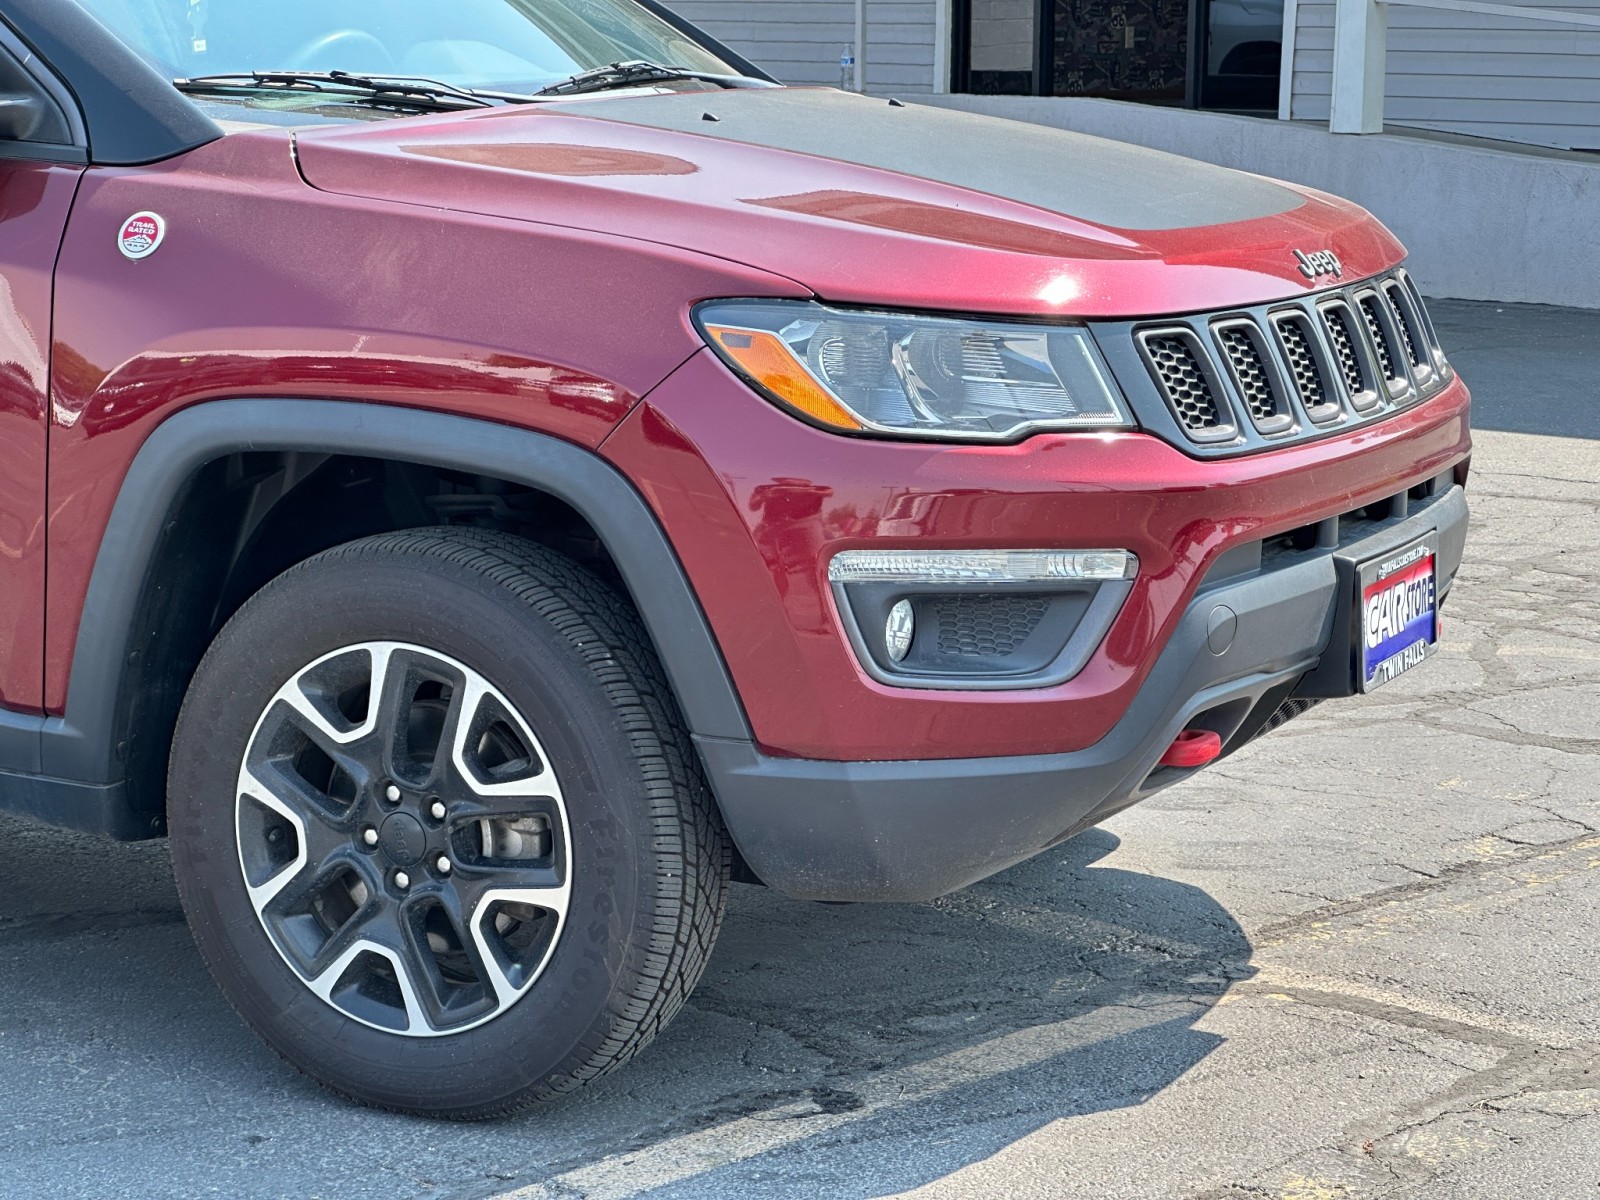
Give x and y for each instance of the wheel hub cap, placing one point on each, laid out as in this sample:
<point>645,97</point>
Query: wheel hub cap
<point>403,839</point>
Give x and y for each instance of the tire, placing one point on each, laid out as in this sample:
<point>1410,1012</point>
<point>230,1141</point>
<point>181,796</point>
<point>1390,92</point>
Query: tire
<point>437,915</point>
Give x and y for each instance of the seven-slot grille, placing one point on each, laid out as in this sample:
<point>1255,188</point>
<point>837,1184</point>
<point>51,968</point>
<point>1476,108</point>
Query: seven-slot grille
<point>1338,358</point>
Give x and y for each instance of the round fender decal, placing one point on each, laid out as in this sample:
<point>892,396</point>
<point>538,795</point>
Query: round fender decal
<point>142,235</point>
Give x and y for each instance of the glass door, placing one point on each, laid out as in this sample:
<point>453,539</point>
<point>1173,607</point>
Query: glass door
<point>1243,54</point>
<point>1121,50</point>
<point>998,47</point>
<point>1222,54</point>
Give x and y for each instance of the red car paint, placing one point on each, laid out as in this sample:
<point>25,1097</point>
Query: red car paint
<point>757,509</point>
<point>554,294</point>
<point>35,199</point>
<point>453,313</point>
<point>852,234</point>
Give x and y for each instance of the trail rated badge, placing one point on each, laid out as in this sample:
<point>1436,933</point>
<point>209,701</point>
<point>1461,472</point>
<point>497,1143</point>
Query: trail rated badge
<point>142,235</point>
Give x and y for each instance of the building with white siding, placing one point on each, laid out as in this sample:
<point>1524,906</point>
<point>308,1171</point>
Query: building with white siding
<point>1518,72</point>
<point>802,41</point>
<point>1491,75</point>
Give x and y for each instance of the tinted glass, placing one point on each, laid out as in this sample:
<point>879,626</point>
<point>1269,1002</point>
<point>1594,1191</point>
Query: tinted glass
<point>515,45</point>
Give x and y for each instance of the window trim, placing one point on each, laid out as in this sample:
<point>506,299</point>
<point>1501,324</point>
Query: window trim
<point>50,85</point>
<point>131,114</point>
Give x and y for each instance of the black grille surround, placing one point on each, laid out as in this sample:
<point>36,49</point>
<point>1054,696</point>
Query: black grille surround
<point>1241,381</point>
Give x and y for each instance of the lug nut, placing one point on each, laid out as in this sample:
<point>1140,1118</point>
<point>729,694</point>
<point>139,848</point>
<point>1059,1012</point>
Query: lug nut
<point>369,835</point>
<point>392,794</point>
<point>444,865</point>
<point>402,880</point>
<point>437,810</point>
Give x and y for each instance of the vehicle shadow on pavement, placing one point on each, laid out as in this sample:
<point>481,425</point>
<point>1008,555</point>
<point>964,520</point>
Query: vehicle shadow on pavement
<point>830,1050</point>
<point>922,1038</point>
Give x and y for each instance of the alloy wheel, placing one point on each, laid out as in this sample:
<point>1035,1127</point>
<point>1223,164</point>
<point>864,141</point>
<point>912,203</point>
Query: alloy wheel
<point>403,839</point>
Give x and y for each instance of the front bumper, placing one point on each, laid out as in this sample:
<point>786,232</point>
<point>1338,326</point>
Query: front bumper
<point>757,504</point>
<point>913,830</point>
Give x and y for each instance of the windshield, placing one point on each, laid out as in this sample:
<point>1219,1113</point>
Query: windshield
<point>504,45</point>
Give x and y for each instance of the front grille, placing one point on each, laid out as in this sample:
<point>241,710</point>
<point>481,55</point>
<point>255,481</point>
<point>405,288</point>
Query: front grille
<point>1306,370</point>
<point>1257,388</point>
<point>1380,336</point>
<point>1408,337</point>
<point>987,626</point>
<point>1246,380</point>
<point>1414,330</point>
<point>1380,320</point>
<point>1347,346</point>
<point>1175,359</point>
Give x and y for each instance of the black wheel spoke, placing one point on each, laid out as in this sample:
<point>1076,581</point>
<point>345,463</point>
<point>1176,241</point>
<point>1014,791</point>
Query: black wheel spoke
<point>492,755</point>
<point>418,710</point>
<point>347,982</point>
<point>501,919</point>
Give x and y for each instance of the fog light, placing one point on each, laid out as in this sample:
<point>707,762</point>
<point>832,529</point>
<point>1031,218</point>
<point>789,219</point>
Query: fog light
<point>898,630</point>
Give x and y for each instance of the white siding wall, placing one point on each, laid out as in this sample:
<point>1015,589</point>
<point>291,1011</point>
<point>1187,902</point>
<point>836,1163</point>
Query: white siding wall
<point>900,36</point>
<point>1469,73</point>
<point>799,41</point>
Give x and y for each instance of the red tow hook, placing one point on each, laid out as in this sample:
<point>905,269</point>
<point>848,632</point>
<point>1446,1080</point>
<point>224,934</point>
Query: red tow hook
<point>1193,748</point>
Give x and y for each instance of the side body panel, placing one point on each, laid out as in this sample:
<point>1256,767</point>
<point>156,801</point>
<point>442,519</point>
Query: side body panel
<point>35,199</point>
<point>264,286</point>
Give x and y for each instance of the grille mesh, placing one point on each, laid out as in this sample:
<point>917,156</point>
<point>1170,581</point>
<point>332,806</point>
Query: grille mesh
<point>1403,323</point>
<point>1255,385</point>
<point>1185,384</point>
<point>987,626</point>
<point>1380,339</point>
<point>1344,346</point>
<point>1303,363</point>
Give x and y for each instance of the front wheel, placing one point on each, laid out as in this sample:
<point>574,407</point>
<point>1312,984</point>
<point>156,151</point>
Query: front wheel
<point>437,825</point>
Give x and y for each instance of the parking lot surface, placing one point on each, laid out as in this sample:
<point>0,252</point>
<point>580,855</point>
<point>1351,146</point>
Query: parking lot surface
<point>1359,959</point>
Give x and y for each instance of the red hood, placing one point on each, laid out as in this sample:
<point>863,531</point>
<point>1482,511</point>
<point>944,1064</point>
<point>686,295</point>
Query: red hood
<point>868,202</point>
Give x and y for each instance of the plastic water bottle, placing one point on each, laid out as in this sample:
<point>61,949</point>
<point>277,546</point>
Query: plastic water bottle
<point>847,69</point>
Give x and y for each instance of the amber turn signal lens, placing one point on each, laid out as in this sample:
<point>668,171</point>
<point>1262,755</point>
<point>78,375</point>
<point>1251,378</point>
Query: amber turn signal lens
<point>766,360</point>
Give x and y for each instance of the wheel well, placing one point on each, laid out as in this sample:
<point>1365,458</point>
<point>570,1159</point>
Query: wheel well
<point>246,518</point>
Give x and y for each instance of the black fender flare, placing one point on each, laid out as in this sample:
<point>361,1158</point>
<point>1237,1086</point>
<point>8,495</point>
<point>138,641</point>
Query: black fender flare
<point>81,749</point>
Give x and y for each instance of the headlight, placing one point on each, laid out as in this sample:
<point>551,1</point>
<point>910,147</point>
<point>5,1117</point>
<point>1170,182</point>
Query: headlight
<point>901,375</point>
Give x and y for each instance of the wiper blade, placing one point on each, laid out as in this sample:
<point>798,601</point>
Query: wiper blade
<point>636,72</point>
<point>386,89</point>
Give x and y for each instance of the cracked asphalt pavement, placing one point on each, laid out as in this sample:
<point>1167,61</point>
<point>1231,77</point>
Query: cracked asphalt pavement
<point>1358,959</point>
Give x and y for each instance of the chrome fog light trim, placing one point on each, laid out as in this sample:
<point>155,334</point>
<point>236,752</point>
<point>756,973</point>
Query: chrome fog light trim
<point>899,630</point>
<point>981,566</point>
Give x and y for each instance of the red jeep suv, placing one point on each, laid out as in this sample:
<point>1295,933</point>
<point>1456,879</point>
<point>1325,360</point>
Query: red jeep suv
<point>480,476</point>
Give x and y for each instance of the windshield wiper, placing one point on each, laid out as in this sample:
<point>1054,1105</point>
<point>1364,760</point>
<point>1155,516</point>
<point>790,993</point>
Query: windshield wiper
<point>636,72</point>
<point>384,89</point>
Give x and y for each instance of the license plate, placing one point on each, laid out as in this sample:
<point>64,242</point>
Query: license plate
<point>1399,600</point>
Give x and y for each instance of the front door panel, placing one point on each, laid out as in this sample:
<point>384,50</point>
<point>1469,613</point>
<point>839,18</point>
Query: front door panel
<point>35,199</point>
